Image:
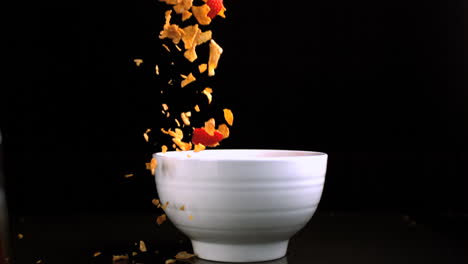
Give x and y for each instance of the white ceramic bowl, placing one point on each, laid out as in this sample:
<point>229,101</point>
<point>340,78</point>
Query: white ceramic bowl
<point>240,205</point>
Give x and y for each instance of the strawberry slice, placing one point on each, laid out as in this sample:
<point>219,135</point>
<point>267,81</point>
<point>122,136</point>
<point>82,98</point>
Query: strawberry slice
<point>215,7</point>
<point>200,136</point>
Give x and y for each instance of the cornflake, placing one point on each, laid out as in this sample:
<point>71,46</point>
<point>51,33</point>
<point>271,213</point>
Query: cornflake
<point>128,175</point>
<point>197,108</point>
<point>224,130</point>
<point>185,117</point>
<point>161,219</point>
<point>119,257</point>
<point>171,31</point>
<point>189,37</point>
<point>96,254</point>
<point>170,261</point>
<point>156,69</point>
<point>190,217</point>
<point>20,236</point>
<point>152,165</point>
<point>190,78</point>
<point>204,37</point>
<point>138,62</point>
<point>182,6</point>
<point>228,116</point>
<point>143,246</point>
<point>215,54</point>
<point>166,47</point>
<point>145,135</point>
<point>163,148</point>
<point>199,147</point>
<point>202,67</point>
<point>186,15</point>
<point>201,14</point>
<point>210,126</point>
<point>182,208</point>
<point>184,255</point>
<point>170,2</point>
<point>155,202</point>
<point>207,91</point>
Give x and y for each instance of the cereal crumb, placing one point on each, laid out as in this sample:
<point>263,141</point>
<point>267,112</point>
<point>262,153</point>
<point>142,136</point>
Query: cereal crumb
<point>143,246</point>
<point>161,219</point>
<point>156,69</point>
<point>184,255</point>
<point>164,207</point>
<point>138,62</point>
<point>128,175</point>
<point>170,261</point>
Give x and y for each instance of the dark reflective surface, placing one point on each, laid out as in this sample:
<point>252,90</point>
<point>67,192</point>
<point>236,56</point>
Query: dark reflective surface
<point>328,238</point>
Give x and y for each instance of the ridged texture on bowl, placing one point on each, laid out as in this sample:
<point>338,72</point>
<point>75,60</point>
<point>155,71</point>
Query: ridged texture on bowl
<point>250,197</point>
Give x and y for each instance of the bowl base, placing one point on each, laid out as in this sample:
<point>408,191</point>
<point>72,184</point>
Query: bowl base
<point>240,252</point>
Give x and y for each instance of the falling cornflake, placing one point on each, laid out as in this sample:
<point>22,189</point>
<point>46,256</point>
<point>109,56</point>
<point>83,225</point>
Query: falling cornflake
<point>156,69</point>
<point>20,236</point>
<point>151,166</point>
<point>155,202</point>
<point>143,246</point>
<point>128,175</point>
<point>145,135</point>
<point>189,79</point>
<point>166,47</point>
<point>185,117</point>
<point>138,62</point>
<point>190,217</point>
<point>161,219</point>
<point>96,254</point>
<point>163,148</point>
<point>228,116</point>
<point>207,91</point>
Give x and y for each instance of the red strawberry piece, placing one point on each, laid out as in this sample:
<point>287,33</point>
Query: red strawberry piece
<point>200,136</point>
<point>215,7</point>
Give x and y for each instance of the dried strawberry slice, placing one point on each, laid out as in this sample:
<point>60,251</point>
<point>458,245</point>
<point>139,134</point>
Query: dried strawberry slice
<point>200,136</point>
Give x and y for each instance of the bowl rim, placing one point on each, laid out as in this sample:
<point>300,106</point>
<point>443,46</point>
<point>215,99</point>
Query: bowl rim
<point>288,154</point>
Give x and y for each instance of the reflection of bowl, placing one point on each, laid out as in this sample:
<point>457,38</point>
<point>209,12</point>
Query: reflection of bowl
<point>240,205</point>
<point>283,260</point>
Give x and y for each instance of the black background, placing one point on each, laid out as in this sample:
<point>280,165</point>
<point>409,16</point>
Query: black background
<point>379,86</point>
